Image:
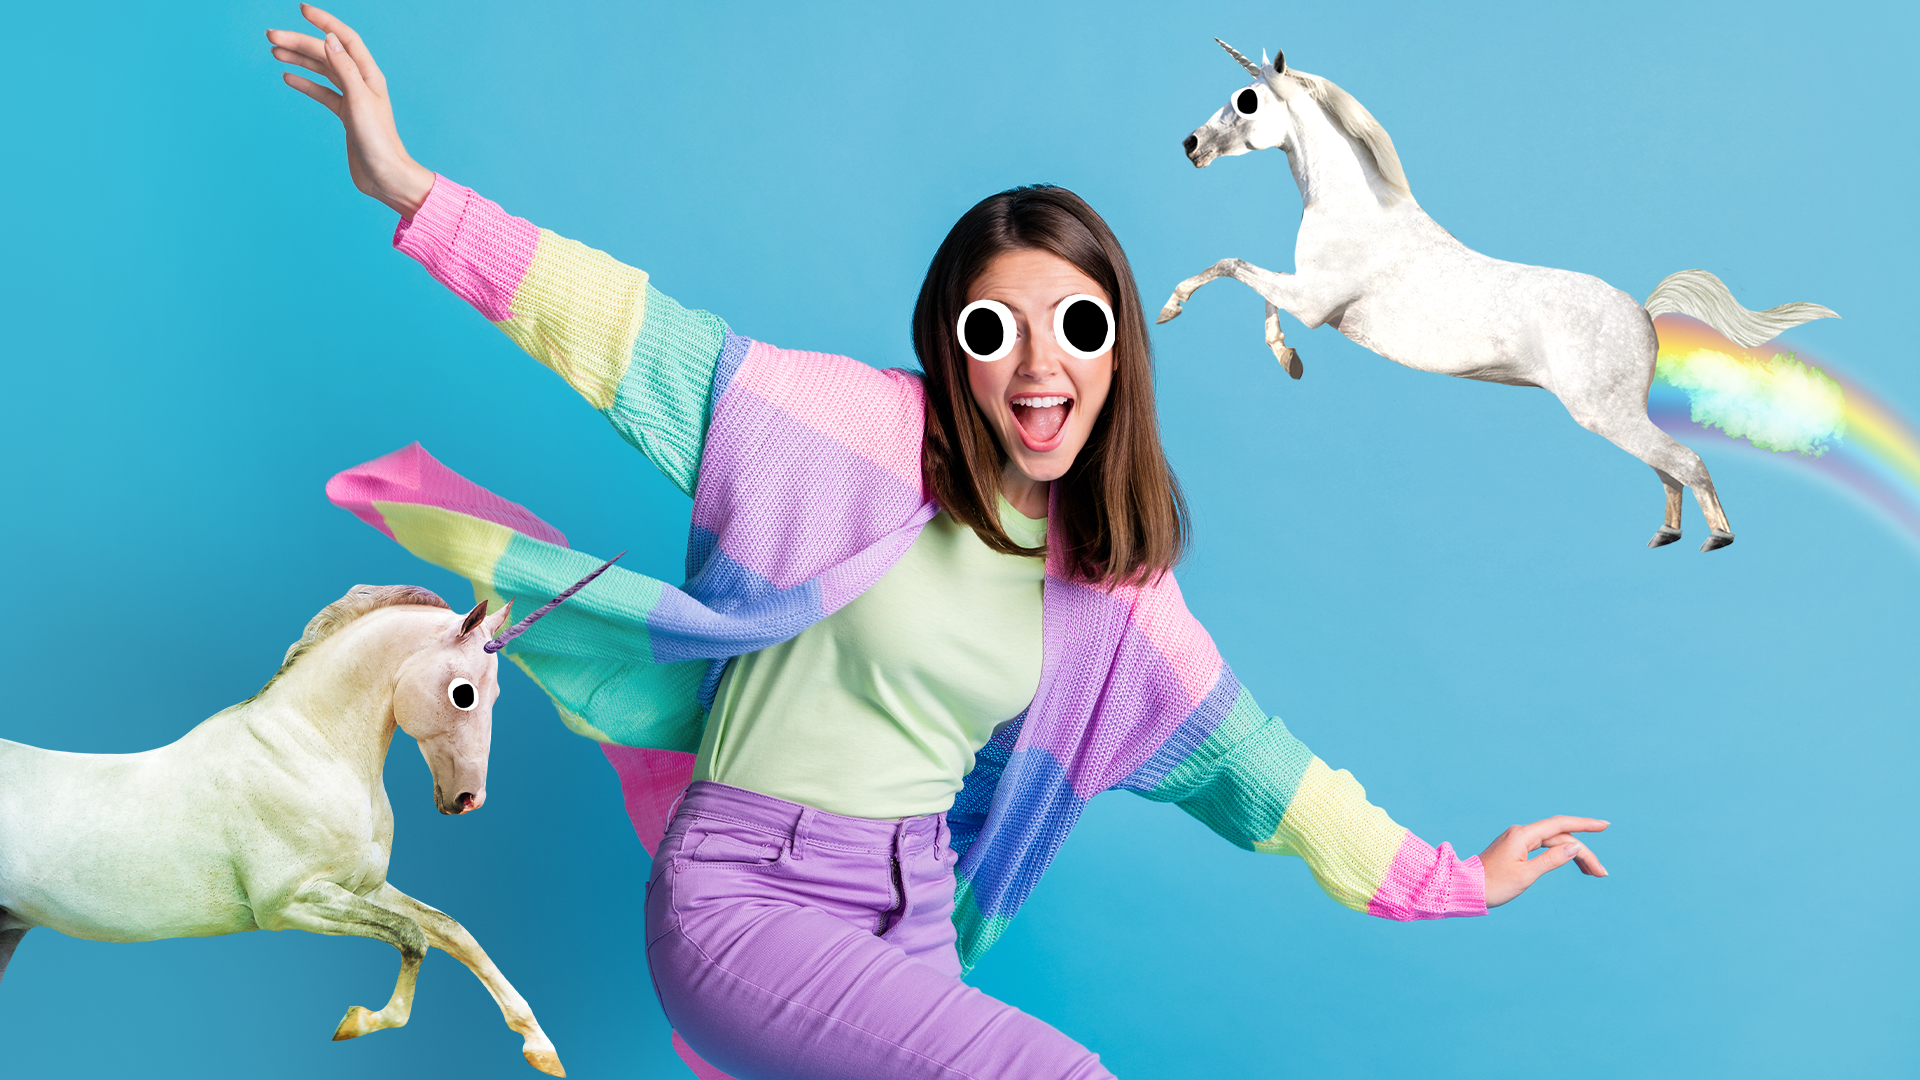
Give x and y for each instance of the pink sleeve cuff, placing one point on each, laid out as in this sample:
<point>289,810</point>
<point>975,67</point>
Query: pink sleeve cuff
<point>471,246</point>
<point>1426,884</point>
<point>412,476</point>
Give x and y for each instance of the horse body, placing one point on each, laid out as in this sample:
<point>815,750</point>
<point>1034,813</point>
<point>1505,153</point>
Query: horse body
<point>1369,261</point>
<point>271,814</point>
<point>97,846</point>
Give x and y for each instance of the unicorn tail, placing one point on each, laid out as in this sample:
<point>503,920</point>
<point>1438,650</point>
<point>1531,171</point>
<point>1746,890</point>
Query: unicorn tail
<point>1702,296</point>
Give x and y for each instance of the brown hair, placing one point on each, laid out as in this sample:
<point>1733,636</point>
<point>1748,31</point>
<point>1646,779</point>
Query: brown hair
<point>1118,516</point>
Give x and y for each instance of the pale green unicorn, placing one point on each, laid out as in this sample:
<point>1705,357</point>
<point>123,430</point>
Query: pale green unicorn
<point>272,814</point>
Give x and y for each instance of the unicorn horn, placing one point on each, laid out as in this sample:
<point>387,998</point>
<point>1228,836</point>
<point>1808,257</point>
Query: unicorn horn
<point>496,644</point>
<point>1244,62</point>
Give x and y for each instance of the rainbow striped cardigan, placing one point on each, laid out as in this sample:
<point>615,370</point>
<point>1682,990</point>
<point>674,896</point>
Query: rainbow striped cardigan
<point>805,475</point>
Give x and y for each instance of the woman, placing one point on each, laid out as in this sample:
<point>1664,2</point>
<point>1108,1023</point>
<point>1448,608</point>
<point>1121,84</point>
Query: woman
<point>884,569</point>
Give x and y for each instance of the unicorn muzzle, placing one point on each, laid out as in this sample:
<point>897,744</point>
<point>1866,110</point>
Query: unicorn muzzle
<point>464,803</point>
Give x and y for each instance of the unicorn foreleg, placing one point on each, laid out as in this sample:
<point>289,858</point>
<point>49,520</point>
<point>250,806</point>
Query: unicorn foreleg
<point>325,907</point>
<point>1282,292</point>
<point>1185,290</point>
<point>447,935</point>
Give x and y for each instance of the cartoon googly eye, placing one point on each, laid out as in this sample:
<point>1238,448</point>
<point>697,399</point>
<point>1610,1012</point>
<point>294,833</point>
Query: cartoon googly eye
<point>1246,102</point>
<point>1083,325</point>
<point>987,330</point>
<point>462,694</point>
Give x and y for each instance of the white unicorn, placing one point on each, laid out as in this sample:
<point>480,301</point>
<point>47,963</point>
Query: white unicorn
<point>1369,261</point>
<point>271,814</point>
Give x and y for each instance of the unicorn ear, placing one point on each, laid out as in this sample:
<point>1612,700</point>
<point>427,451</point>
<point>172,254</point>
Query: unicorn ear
<point>1279,64</point>
<point>492,626</point>
<point>473,618</point>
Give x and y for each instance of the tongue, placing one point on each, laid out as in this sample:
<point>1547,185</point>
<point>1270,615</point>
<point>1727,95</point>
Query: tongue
<point>1042,424</point>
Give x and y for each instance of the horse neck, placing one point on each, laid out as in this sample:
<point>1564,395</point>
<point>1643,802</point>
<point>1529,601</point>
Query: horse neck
<point>1330,167</point>
<point>338,698</point>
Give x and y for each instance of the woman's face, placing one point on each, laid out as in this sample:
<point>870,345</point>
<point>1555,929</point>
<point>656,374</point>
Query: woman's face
<point>1040,400</point>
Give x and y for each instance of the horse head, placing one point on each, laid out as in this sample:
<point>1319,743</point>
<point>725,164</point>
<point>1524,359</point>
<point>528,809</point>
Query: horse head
<point>445,695</point>
<point>444,699</point>
<point>1254,118</point>
<point>1274,112</point>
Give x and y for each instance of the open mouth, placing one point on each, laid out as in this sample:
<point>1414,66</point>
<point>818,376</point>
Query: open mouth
<point>1041,419</point>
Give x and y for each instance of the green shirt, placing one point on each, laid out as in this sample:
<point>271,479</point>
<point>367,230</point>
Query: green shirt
<point>877,710</point>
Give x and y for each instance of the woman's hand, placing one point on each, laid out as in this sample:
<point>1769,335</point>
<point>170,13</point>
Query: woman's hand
<point>1510,871</point>
<point>375,155</point>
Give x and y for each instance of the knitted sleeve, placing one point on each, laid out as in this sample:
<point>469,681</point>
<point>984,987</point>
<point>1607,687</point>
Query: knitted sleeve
<point>1252,782</point>
<point>643,361</point>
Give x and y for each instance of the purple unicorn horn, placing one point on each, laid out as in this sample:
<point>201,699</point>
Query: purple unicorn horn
<point>514,631</point>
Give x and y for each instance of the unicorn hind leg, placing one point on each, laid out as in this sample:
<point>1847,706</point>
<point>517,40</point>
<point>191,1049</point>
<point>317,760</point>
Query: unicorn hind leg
<point>9,940</point>
<point>1676,465</point>
<point>447,935</point>
<point>1670,529</point>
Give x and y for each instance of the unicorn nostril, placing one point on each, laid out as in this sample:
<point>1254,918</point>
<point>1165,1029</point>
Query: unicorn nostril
<point>465,801</point>
<point>1192,141</point>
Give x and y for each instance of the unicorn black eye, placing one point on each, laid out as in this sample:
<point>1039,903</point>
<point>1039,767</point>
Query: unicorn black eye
<point>462,694</point>
<point>1246,102</point>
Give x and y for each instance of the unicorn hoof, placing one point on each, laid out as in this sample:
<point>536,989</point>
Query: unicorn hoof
<point>356,1023</point>
<point>1665,536</point>
<point>546,1061</point>
<point>1168,313</point>
<point>1290,360</point>
<point>1720,538</point>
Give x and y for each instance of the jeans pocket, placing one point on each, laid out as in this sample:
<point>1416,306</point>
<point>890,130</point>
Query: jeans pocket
<point>717,847</point>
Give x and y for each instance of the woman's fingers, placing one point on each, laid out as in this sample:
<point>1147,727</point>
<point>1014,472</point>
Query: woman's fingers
<point>314,90</point>
<point>1557,833</point>
<point>1552,859</point>
<point>1588,863</point>
<point>288,56</point>
<point>350,43</point>
<point>1509,869</point>
<point>1547,830</point>
<point>376,158</point>
<point>344,72</point>
<point>294,41</point>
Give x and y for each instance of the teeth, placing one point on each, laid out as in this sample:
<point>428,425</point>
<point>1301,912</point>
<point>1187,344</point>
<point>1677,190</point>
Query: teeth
<point>1040,402</point>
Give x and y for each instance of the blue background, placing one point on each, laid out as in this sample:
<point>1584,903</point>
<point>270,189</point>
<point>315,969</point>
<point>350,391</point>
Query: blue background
<point>1440,584</point>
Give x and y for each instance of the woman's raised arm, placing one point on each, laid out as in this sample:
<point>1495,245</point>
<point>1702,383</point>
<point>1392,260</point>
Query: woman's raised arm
<point>646,363</point>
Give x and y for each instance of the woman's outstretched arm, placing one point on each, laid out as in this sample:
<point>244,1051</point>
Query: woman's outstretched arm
<point>646,363</point>
<point>1259,786</point>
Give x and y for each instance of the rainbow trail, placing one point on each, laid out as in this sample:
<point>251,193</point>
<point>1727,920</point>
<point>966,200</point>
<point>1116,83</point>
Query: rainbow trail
<point>1855,441</point>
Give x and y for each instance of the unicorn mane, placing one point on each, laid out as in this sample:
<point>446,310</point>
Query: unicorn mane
<point>1354,119</point>
<point>359,600</point>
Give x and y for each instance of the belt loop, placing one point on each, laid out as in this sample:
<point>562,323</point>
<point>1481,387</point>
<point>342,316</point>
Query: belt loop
<point>942,836</point>
<point>800,830</point>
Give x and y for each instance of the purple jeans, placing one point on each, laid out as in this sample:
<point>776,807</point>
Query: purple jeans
<point>787,943</point>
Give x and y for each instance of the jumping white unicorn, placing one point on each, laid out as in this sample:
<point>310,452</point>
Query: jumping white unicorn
<point>1369,261</point>
<point>272,814</point>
